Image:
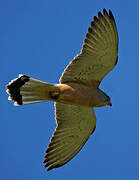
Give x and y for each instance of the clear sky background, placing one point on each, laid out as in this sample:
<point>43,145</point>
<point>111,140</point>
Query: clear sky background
<point>38,39</point>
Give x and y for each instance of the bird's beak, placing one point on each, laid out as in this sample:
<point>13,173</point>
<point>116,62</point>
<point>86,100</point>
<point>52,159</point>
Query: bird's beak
<point>110,104</point>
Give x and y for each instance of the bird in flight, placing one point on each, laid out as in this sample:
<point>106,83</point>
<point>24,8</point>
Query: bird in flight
<point>77,93</point>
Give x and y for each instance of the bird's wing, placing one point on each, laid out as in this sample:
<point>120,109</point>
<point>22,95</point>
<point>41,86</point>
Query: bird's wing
<point>99,53</point>
<point>74,126</point>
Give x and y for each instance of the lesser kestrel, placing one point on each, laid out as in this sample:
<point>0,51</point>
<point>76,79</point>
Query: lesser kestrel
<point>77,93</point>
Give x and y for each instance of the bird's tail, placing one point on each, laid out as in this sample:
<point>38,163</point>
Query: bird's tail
<point>26,90</point>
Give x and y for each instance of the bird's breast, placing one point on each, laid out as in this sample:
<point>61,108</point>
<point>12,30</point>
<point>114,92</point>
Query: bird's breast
<point>78,94</point>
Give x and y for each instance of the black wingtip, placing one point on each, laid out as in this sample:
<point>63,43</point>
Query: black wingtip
<point>50,168</point>
<point>53,167</point>
<point>13,88</point>
<point>111,15</point>
<point>104,11</point>
<point>100,14</point>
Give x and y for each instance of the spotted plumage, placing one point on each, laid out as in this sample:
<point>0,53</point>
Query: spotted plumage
<point>77,93</point>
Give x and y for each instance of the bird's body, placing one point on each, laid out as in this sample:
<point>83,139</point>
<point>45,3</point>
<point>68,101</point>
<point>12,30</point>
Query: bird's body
<point>77,93</point>
<point>82,95</point>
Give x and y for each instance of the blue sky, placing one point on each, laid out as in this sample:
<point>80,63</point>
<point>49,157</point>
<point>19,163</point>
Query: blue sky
<point>39,38</point>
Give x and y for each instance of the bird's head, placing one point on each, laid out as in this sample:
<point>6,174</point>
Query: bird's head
<point>104,99</point>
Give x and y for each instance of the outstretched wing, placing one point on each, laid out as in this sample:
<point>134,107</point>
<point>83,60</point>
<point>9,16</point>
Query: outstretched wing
<point>74,126</point>
<point>99,53</point>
